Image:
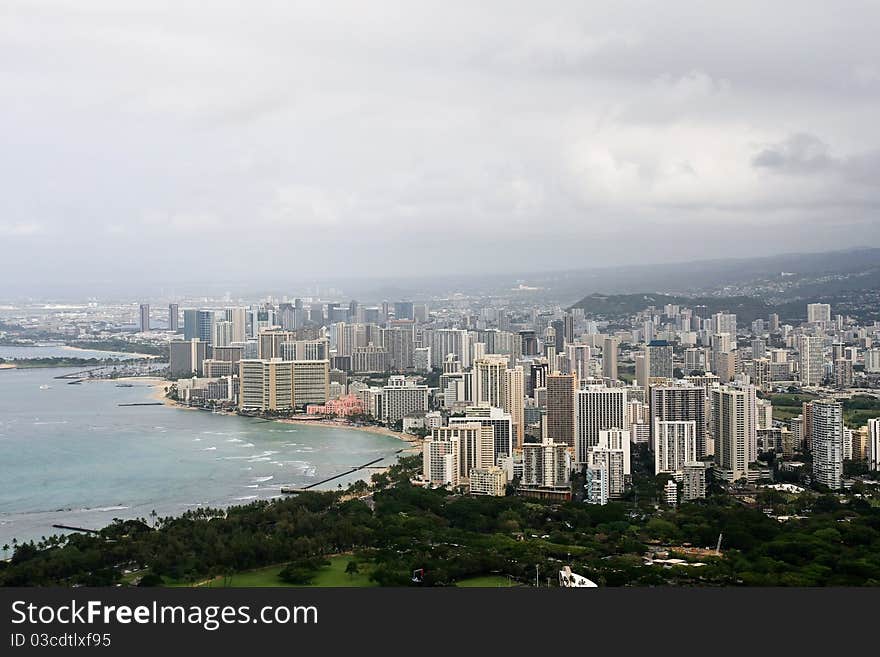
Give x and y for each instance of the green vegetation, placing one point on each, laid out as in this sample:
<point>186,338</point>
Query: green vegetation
<point>453,540</point>
<point>487,582</point>
<point>856,411</point>
<point>787,406</point>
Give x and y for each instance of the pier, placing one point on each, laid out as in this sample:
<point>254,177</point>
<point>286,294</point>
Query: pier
<point>76,529</point>
<point>288,491</point>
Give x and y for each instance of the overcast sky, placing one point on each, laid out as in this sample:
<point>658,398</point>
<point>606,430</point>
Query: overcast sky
<point>191,140</point>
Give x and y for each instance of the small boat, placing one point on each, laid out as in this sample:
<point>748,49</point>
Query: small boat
<point>125,385</point>
<point>44,387</point>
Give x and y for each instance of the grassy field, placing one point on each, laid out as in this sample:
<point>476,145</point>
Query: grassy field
<point>788,406</point>
<point>328,576</point>
<point>856,411</point>
<point>485,582</point>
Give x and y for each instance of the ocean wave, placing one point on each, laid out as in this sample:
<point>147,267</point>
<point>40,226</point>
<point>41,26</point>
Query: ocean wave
<point>245,498</point>
<point>262,479</point>
<point>209,449</point>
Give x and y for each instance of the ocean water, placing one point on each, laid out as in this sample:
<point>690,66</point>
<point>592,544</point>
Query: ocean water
<point>70,455</point>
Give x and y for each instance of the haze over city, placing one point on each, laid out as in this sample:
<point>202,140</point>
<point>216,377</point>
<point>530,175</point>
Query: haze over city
<point>157,142</point>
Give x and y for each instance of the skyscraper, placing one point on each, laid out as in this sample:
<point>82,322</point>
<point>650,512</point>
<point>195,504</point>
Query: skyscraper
<point>598,408</point>
<point>514,400</point>
<point>874,444</point>
<point>198,324</point>
<point>681,403</point>
<point>489,374</point>
<point>659,356</point>
<point>734,429</point>
<point>504,436</point>
<point>828,442</point>
<point>675,444</point>
<point>145,317</point>
<point>818,313</point>
<point>561,389</point>
<point>811,360</point>
<point>173,317</point>
<point>609,357</point>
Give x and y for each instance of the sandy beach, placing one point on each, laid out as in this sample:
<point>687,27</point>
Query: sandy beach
<point>341,424</point>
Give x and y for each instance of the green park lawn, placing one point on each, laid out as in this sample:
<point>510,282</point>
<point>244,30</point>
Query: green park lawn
<point>485,582</point>
<point>333,575</point>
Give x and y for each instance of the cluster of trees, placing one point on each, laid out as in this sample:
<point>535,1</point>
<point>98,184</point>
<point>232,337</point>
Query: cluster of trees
<point>403,528</point>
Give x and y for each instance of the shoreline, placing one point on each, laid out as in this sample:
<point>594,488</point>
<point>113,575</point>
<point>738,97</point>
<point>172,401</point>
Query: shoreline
<point>413,443</point>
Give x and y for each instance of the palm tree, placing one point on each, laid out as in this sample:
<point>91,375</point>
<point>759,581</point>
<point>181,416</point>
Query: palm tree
<point>5,549</point>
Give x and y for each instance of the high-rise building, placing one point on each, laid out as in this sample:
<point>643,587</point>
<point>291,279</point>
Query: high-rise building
<point>400,345</point>
<point>872,360</point>
<point>145,317</point>
<point>222,334</point>
<point>874,444</point>
<point>440,460</point>
<point>618,439</point>
<point>811,360</point>
<point>596,487</point>
<point>489,376</point>
<point>598,408</point>
<point>514,401</point>
<point>579,357</point>
<point>475,446</point>
<point>675,444</point>
<point>490,481</point>
<point>610,346</point>
<point>546,465</point>
<point>560,416</point>
<point>724,323</point>
<point>403,310</point>
<point>266,385</point>
<point>450,341</point>
<point>827,442</point>
<point>238,317</point>
<point>818,313</point>
<point>401,397</point>
<point>693,481</point>
<point>173,317</point>
<point>186,357</point>
<point>612,463</point>
<point>659,356</point>
<point>270,340</point>
<point>734,429</point>
<point>198,324</point>
<point>681,403</point>
<point>501,423</point>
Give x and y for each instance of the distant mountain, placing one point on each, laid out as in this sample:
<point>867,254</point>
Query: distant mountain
<point>616,306</point>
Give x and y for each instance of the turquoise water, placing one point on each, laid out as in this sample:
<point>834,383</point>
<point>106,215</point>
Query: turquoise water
<point>70,455</point>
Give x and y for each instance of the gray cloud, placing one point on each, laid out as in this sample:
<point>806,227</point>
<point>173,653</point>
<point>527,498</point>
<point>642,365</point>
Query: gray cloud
<point>305,139</point>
